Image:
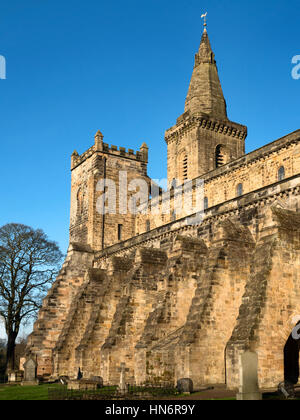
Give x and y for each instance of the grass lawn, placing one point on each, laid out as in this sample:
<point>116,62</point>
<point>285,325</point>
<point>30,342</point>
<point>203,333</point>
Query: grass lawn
<point>36,393</point>
<point>33,393</point>
<point>40,393</point>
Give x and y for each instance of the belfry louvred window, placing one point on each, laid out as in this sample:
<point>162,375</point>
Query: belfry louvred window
<point>185,168</point>
<point>220,156</point>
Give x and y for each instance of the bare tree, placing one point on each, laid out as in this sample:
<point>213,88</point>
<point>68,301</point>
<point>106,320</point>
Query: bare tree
<point>29,263</point>
<point>2,358</point>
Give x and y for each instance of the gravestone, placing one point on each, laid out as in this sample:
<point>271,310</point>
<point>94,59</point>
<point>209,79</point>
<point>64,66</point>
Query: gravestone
<point>98,381</point>
<point>64,380</point>
<point>11,377</point>
<point>82,385</point>
<point>249,377</point>
<point>185,386</point>
<point>15,376</point>
<point>30,372</point>
<point>122,386</point>
<point>287,390</point>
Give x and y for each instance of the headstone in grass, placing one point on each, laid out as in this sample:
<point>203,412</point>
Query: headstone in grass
<point>122,386</point>
<point>64,380</point>
<point>98,381</point>
<point>15,377</point>
<point>30,368</point>
<point>82,385</point>
<point>249,377</point>
<point>185,386</point>
<point>287,390</point>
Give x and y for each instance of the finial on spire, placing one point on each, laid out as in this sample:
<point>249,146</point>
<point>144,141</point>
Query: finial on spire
<point>204,19</point>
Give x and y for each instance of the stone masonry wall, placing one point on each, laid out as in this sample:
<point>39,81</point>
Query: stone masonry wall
<point>271,299</point>
<point>215,307</point>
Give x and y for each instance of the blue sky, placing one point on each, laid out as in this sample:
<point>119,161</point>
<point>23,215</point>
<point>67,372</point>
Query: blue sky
<point>123,67</point>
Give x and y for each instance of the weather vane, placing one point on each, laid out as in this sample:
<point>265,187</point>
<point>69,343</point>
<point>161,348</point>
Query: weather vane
<point>204,17</point>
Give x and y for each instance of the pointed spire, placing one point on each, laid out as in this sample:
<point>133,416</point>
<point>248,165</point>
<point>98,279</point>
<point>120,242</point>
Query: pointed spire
<point>205,94</point>
<point>205,53</point>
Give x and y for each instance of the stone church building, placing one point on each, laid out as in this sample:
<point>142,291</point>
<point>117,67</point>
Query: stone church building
<point>172,299</point>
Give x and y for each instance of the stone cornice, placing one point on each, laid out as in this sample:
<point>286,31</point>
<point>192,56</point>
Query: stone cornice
<point>184,124</point>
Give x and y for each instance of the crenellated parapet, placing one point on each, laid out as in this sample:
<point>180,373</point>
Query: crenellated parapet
<point>112,150</point>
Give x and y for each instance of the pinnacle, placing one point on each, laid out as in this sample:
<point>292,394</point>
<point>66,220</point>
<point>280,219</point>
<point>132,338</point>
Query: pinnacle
<point>99,134</point>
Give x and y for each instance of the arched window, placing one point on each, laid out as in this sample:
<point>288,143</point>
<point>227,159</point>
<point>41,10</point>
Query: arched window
<point>281,173</point>
<point>205,203</point>
<point>239,190</point>
<point>79,201</point>
<point>221,156</point>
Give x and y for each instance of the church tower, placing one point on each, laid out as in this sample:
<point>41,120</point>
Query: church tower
<point>203,138</point>
<point>110,169</point>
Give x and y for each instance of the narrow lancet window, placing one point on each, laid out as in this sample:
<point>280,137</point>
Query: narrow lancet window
<point>281,174</point>
<point>239,190</point>
<point>120,231</point>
